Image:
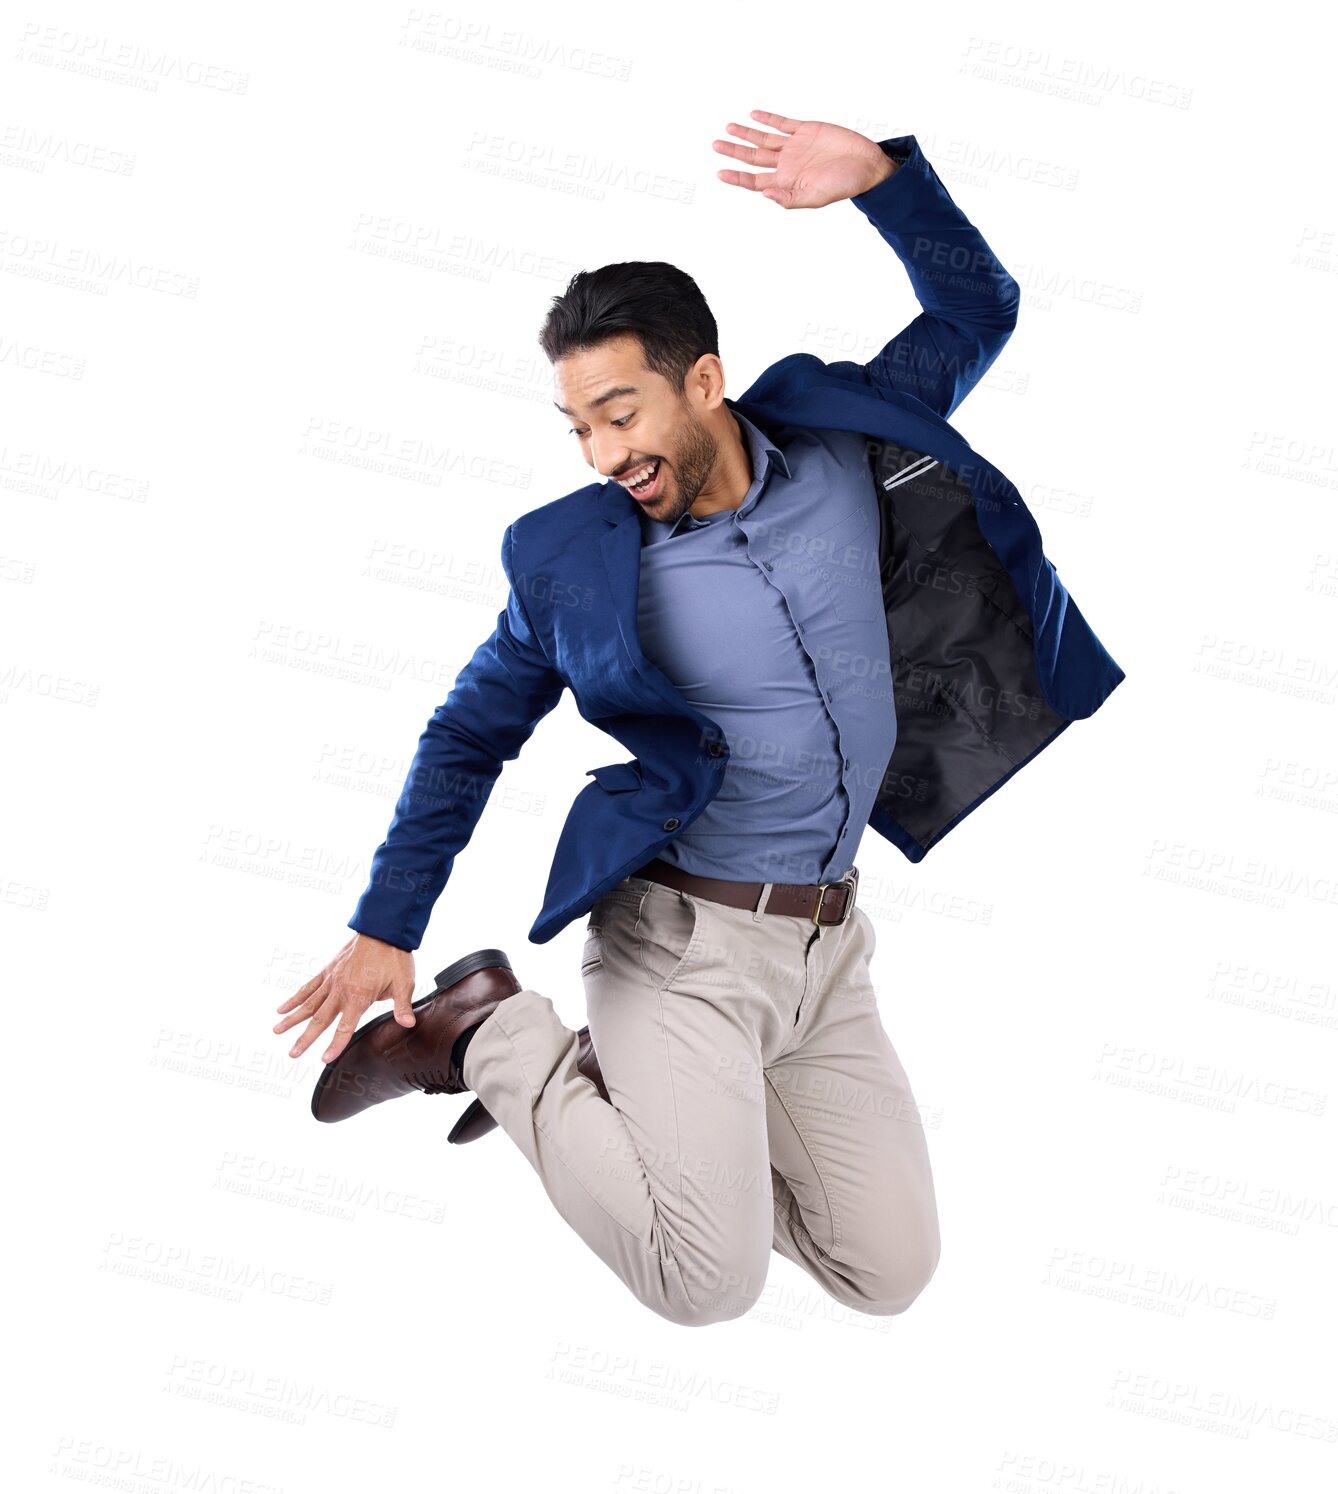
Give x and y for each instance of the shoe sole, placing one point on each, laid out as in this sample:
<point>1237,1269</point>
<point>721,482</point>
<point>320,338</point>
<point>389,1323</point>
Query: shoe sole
<point>481,959</point>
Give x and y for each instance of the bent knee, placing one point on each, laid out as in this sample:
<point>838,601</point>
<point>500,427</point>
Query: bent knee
<point>703,1314</point>
<point>697,1297</point>
<point>891,1287</point>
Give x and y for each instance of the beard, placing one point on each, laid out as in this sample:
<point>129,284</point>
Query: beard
<point>696,452</point>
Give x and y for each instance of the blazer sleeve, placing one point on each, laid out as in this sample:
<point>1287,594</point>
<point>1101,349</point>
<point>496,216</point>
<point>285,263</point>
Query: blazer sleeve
<point>970,302</point>
<point>497,700</point>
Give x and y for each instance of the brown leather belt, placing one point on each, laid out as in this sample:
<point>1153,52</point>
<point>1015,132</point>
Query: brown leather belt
<point>795,899</point>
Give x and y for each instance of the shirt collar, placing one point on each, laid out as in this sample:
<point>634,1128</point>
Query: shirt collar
<point>763,455</point>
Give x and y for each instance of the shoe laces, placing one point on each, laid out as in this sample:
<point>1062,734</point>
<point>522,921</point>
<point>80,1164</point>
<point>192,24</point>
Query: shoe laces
<point>430,1081</point>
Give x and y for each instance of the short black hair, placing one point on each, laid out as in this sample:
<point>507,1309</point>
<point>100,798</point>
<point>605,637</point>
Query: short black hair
<point>659,303</point>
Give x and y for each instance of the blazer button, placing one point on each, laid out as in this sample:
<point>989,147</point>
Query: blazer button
<point>716,749</point>
<point>672,824</point>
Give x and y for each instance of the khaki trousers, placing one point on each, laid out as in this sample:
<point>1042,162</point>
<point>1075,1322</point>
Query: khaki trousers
<point>755,1103</point>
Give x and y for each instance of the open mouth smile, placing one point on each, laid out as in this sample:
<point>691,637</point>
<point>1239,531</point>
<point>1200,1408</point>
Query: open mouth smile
<point>644,482</point>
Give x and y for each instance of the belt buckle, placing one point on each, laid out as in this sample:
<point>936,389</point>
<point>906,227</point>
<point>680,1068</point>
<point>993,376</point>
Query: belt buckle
<point>851,882</point>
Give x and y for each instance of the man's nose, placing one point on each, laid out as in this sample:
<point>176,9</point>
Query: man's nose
<point>608,457</point>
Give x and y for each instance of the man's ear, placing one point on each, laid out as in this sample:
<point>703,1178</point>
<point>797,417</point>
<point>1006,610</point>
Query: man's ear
<point>707,376</point>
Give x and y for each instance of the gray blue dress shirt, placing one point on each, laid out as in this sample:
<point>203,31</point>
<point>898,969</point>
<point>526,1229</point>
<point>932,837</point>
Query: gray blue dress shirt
<point>769,619</point>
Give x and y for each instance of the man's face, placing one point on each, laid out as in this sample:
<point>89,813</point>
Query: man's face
<point>625,417</point>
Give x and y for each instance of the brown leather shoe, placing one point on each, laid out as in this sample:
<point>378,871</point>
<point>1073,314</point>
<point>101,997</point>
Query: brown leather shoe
<point>384,1060</point>
<point>476,1121</point>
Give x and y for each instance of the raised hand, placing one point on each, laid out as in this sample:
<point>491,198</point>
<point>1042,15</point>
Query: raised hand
<point>808,165</point>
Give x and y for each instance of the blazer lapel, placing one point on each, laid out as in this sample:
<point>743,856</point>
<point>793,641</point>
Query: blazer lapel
<point>620,546</point>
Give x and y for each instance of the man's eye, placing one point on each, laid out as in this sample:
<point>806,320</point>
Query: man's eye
<point>623,421</point>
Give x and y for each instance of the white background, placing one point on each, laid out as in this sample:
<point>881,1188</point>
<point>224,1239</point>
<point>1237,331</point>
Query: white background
<point>228,616</point>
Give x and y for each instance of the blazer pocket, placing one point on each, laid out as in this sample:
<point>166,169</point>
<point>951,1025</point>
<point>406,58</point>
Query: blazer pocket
<point>617,778</point>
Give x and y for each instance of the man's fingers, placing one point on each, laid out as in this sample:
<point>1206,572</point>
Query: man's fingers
<point>302,1012</point>
<point>339,1038</point>
<point>319,1022</point>
<point>310,989</point>
<point>344,990</point>
<point>314,986</point>
<point>754,181</point>
<point>755,137</point>
<point>777,121</point>
<point>404,1007</point>
<point>749,155</point>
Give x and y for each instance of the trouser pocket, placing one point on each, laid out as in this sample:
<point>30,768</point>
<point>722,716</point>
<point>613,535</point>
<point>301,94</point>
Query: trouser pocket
<point>615,911</point>
<point>670,934</point>
<point>592,956</point>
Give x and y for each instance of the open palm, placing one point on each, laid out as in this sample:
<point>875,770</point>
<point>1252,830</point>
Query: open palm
<point>808,165</point>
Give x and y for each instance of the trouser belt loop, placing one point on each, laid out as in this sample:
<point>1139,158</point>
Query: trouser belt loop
<point>760,910</point>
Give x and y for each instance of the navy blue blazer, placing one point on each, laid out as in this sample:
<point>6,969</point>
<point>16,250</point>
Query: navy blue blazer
<point>991,657</point>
